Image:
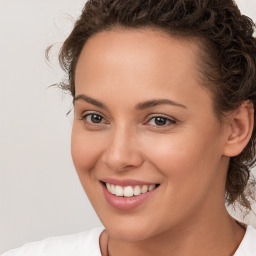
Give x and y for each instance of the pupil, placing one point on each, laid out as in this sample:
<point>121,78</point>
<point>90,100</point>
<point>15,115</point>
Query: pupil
<point>96,119</point>
<point>160,121</point>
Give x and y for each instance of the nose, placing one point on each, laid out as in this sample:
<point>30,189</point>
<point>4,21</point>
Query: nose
<point>122,151</point>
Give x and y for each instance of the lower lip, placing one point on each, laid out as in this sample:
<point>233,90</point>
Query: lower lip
<point>126,203</point>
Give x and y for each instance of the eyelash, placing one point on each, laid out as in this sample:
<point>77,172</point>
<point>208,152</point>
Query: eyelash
<point>165,119</point>
<point>84,117</point>
<point>170,121</point>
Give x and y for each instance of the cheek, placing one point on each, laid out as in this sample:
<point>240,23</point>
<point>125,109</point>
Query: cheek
<point>190,170</point>
<point>85,149</point>
<point>185,157</point>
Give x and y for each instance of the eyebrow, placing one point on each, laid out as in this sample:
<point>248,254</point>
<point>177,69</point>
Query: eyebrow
<point>156,102</point>
<point>89,100</point>
<point>139,106</point>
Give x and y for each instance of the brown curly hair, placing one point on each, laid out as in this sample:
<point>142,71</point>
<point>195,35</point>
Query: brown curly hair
<point>227,58</point>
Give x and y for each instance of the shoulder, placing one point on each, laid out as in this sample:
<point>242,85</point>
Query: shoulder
<point>80,244</point>
<point>248,244</point>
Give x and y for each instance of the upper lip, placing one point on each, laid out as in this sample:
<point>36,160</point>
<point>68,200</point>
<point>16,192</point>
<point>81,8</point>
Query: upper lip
<point>126,182</point>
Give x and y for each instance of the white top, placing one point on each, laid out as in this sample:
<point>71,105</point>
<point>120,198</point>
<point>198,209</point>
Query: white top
<point>87,244</point>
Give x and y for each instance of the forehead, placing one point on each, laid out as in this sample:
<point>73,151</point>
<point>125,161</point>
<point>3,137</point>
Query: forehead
<point>145,61</point>
<point>140,49</point>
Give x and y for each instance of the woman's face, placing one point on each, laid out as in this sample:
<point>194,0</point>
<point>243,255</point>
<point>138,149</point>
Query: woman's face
<point>141,119</point>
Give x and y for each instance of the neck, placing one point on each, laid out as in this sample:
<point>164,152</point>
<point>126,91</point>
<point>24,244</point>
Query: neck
<point>218,234</point>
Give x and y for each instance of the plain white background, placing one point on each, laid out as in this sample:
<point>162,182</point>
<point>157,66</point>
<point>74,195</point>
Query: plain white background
<point>40,194</point>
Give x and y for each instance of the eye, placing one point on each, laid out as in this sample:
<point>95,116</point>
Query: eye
<point>93,119</point>
<point>161,121</point>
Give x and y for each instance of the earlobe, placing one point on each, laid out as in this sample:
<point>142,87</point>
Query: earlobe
<point>241,127</point>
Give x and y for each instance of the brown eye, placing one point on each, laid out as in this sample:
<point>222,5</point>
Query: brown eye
<point>96,118</point>
<point>93,118</point>
<point>161,121</point>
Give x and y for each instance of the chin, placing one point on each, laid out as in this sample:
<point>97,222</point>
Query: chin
<point>128,234</point>
<point>130,229</point>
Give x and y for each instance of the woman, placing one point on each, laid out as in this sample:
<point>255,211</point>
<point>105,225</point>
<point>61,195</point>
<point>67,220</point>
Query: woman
<point>164,134</point>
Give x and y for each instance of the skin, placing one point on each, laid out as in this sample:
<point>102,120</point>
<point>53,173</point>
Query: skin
<point>188,155</point>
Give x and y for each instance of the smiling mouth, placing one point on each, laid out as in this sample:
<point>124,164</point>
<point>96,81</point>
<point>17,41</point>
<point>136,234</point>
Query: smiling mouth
<point>129,191</point>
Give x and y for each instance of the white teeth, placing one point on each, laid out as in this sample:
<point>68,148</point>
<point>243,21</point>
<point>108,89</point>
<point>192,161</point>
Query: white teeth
<point>112,189</point>
<point>119,191</point>
<point>108,187</point>
<point>129,191</point>
<point>137,190</point>
<point>151,187</point>
<point>144,189</point>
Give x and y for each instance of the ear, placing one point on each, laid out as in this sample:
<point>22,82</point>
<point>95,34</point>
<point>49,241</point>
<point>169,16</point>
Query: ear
<point>241,127</point>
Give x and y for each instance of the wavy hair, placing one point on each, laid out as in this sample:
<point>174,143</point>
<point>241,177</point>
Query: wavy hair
<point>227,62</point>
